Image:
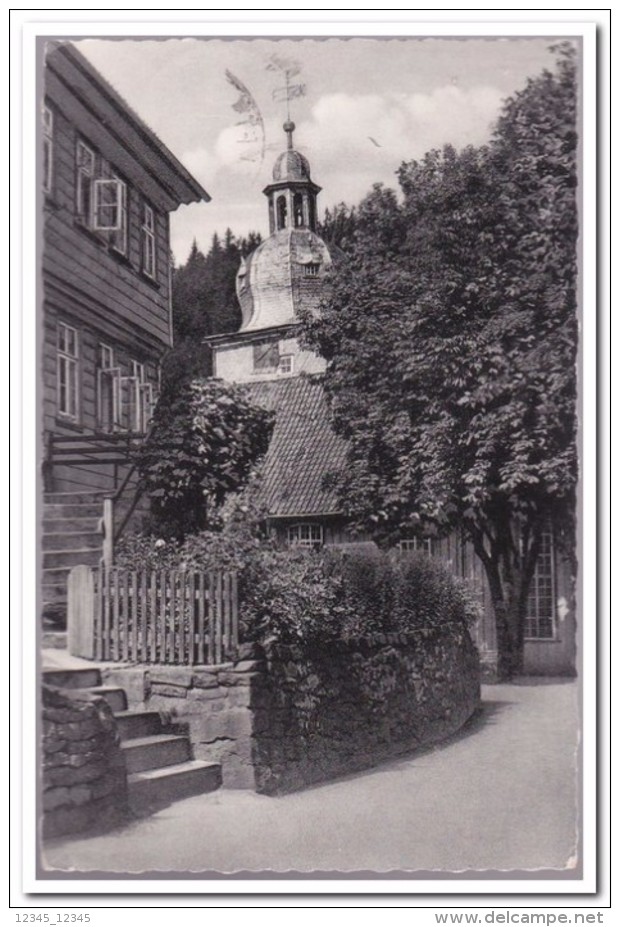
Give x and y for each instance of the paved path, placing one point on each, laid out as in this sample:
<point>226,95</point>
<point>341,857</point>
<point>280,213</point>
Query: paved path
<point>501,795</point>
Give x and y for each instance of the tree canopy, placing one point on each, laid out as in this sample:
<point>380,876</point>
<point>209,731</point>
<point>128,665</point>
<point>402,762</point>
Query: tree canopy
<point>451,339</point>
<point>204,441</point>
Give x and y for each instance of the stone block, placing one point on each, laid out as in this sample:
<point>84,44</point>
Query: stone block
<point>230,725</point>
<point>206,695</point>
<point>204,679</point>
<point>80,794</point>
<point>249,666</point>
<point>172,675</point>
<point>238,697</point>
<point>230,678</point>
<point>54,798</point>
<point>135,681</point>
<point>237,774</point>
<point>170,691</point>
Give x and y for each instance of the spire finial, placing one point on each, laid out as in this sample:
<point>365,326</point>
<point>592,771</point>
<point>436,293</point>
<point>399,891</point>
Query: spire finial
<point>289,128</point>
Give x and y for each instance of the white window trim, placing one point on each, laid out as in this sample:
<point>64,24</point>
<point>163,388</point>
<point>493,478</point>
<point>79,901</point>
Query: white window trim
<point>48,147</point>
<point>85,174</point>
<point>71,365</point>
<point>149,250</point>
<point>295,530</point>
<point>536,618</point>
<point>286,365</point>
<point>417,545</point>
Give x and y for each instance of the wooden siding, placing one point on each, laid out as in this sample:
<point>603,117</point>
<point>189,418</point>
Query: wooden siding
<point>83,265</point>
<point>73,85</point>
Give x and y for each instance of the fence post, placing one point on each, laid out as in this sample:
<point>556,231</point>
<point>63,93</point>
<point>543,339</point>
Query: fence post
<point>108,532</point>
<point>81,612</point>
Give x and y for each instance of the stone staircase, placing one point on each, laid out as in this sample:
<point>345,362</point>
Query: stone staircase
<point>71,535</point>
<point>158,756</point>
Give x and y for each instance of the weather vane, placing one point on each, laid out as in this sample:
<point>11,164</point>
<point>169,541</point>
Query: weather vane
<point>252,134</point>
<point>289,69</point>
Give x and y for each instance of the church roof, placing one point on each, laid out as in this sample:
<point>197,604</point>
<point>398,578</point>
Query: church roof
<point>273,282</point>
<point>303,448</point>
<point>291,166</point>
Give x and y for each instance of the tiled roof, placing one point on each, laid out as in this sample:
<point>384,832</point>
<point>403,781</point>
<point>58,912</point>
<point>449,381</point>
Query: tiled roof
<point>303,447</point>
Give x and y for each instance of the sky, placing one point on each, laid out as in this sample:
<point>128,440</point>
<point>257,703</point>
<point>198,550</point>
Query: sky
<point>368,104</point>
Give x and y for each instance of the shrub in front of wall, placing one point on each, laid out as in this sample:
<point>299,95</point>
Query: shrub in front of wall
<point>296,595</point>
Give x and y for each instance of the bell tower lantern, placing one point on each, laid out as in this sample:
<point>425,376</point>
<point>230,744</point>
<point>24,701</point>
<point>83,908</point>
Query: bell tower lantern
<point>292,195</point>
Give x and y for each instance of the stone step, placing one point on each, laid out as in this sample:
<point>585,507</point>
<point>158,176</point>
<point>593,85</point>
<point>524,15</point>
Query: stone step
<point>114,696</point>
<point>72,678</point>
<point>155,788</point>
<point>70,540</point>
<point>133,724</point>
<point>154,751</point>
<point>70,558</point>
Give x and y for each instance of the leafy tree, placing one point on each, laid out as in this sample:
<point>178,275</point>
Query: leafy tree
<point>203,444</point>
<point>450,338</point>
<point>338,226</point>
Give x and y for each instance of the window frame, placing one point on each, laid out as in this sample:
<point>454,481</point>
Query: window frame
<point>84,180</point>
<point>148,241</point>
<point>47,119</point>
<point>67,372</point>
<point>312,269</point>
<point>310,542</point>
<point>533,625</point>
<point>283,361</point>
<point>416,545</point>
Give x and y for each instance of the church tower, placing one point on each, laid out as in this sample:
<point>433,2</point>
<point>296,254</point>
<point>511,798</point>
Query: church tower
<point>285,274</point>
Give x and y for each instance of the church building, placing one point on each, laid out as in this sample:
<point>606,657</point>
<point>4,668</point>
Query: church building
<point>284,275</point>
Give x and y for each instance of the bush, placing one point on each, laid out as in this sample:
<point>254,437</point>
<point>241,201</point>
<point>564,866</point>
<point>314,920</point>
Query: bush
<point>203,445</point>
<point>293,594</point>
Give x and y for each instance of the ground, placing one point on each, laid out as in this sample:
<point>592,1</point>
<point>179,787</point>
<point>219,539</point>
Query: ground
<point>500,795</point>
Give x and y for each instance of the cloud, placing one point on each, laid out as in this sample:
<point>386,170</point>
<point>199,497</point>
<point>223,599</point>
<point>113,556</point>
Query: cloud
<point>351,141</point>
<point>356,140</point>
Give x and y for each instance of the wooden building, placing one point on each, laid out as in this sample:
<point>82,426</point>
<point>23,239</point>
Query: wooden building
<point>284,274</point>
<point>108,188</point>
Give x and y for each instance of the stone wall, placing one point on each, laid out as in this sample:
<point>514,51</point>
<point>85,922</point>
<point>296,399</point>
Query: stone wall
<point>345,706</point>
<point>283,717</point>
<point>84,776</point>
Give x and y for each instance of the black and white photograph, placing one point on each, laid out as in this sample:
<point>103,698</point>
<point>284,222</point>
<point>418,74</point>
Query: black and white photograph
<point>311,408</point>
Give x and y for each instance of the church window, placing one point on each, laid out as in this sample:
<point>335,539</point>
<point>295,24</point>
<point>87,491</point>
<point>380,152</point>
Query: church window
<point>266,357</point>
<point>419,545</point>
<point>540,618</point>
<point>285,364</point>
<point>312,269</point>
<point>307,535</point>
<point>282,212</point>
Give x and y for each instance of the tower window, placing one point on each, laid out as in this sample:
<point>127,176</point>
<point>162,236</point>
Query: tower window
<point>311,270</point>
<point>298,210</point>
<point>282,212</point>
<point>266,357</point>
<point>285,364</point>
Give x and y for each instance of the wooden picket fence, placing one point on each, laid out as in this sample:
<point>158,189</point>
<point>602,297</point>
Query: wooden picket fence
<point>164,616</point>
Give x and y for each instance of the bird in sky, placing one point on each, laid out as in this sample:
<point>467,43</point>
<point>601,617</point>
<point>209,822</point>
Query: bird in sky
<point>374,141</point>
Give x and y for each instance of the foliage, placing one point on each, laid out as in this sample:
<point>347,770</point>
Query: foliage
<point>338,226</point>
<point>450,337</point>
<point>298,595</point>
<point>203,289</point>
<point>203,444</point>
